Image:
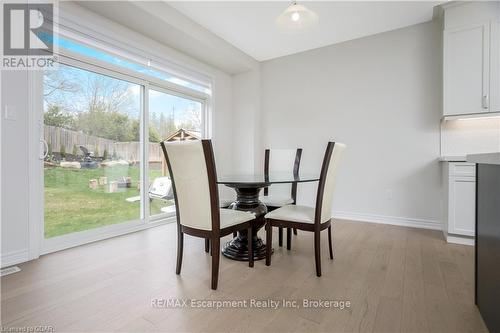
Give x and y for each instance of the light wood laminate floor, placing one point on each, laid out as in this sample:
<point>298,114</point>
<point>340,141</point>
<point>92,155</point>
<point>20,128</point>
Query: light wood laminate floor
<point>397,280</point>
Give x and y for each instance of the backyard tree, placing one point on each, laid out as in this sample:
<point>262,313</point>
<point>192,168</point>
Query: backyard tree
<point>110,125</point>
<point>104,93</point>
<point>54,116</point>
<point>62,151</point>
<point>192,118</point>
<point>49,150</point>
<point>95,104</point>
<point>55,82</point>
<point>166,124</point>
<point>154,136</point>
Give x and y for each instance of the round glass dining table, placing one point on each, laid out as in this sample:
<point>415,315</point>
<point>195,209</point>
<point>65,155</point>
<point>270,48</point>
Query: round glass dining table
<point>247,189</point>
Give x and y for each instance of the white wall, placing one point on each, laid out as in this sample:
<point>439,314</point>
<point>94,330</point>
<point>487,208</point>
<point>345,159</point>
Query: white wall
<point>381,96</point>
<point>15,185</point>
<point>246,120</point>
<point>14,171</point>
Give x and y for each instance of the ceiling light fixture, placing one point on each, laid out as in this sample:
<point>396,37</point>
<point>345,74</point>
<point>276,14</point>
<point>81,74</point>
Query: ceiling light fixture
<point>297,17</point>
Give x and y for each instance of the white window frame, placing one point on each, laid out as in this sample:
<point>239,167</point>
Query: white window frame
<point>40,245</point>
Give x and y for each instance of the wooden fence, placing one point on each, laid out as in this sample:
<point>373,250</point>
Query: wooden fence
<point>130,151</point>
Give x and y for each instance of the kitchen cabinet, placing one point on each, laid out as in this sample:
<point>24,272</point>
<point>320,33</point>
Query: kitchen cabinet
<point>460,203</point>
<point>471,59</point>
<point>495,67</point>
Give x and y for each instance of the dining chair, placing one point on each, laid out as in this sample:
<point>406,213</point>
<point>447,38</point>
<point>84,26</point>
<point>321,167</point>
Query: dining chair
<point>309,218</point>
<point>192,169</point>
<point>279,195</point>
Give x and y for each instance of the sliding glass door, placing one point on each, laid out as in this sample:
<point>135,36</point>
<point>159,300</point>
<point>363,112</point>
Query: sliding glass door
<point>92,169</point>
<point>95,125</point>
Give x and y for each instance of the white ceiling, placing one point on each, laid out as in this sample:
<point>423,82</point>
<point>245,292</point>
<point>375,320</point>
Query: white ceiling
<point>162,23</point>
<point>250,26</point>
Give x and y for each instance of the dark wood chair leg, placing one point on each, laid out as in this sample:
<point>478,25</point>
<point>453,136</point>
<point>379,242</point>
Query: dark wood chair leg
<point>250,247</point>
<point>317,252</point>
<point>330,241</point>
<point>215,261</point>
<point>235,234</point>
<point>288,238</point>
<point>295,231</point>
<point>280,236</point>
<point>180,248</point>
<point>207,245</point>
<point>269,242</point>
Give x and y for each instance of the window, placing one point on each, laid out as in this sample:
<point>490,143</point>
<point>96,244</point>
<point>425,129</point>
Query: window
<point>171,118</point>
<point>100,125</point>
<point>92,170</point>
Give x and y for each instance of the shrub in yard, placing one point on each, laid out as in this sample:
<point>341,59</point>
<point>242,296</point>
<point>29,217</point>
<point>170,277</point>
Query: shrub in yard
<point>115,156</point>
<point>62,151</point>
<point>105,154</point>
<point>75,151</point>
<point>49,156</point>
<point>96,151</point>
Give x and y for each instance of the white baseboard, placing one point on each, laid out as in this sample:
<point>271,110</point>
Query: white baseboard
<point>14,257</point>
<point>392,220</point>
<point>460,240</point>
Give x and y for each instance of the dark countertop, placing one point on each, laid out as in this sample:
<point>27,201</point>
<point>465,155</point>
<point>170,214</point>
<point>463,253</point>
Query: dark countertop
<point>490,158</point>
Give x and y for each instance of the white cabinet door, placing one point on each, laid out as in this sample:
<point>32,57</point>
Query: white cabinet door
<point>462,203</point>
<point>466,69</point>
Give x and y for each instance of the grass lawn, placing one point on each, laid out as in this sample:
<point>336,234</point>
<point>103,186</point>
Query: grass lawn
<point>70,205</point>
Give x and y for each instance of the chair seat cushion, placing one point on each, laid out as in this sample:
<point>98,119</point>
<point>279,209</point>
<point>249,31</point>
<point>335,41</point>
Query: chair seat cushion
<point>225,202</point>
<point>276,200</point>
<point>293,213</point>
<point>229,217</point>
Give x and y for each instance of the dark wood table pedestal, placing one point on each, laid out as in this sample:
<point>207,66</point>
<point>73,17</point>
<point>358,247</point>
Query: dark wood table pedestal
<point>247,200</point>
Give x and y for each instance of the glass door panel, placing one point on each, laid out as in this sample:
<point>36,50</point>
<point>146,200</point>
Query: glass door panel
<point>92,170</point>
<point>171,118</point>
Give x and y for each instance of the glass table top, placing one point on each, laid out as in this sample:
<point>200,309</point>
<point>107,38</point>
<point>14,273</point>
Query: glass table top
<point>261,179</point>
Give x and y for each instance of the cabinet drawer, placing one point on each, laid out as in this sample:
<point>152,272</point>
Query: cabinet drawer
<point>462,169</point>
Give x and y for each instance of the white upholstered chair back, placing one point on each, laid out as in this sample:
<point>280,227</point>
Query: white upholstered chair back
<point>330,180</point>
<point>191,184</point>
<point>281,161</point>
